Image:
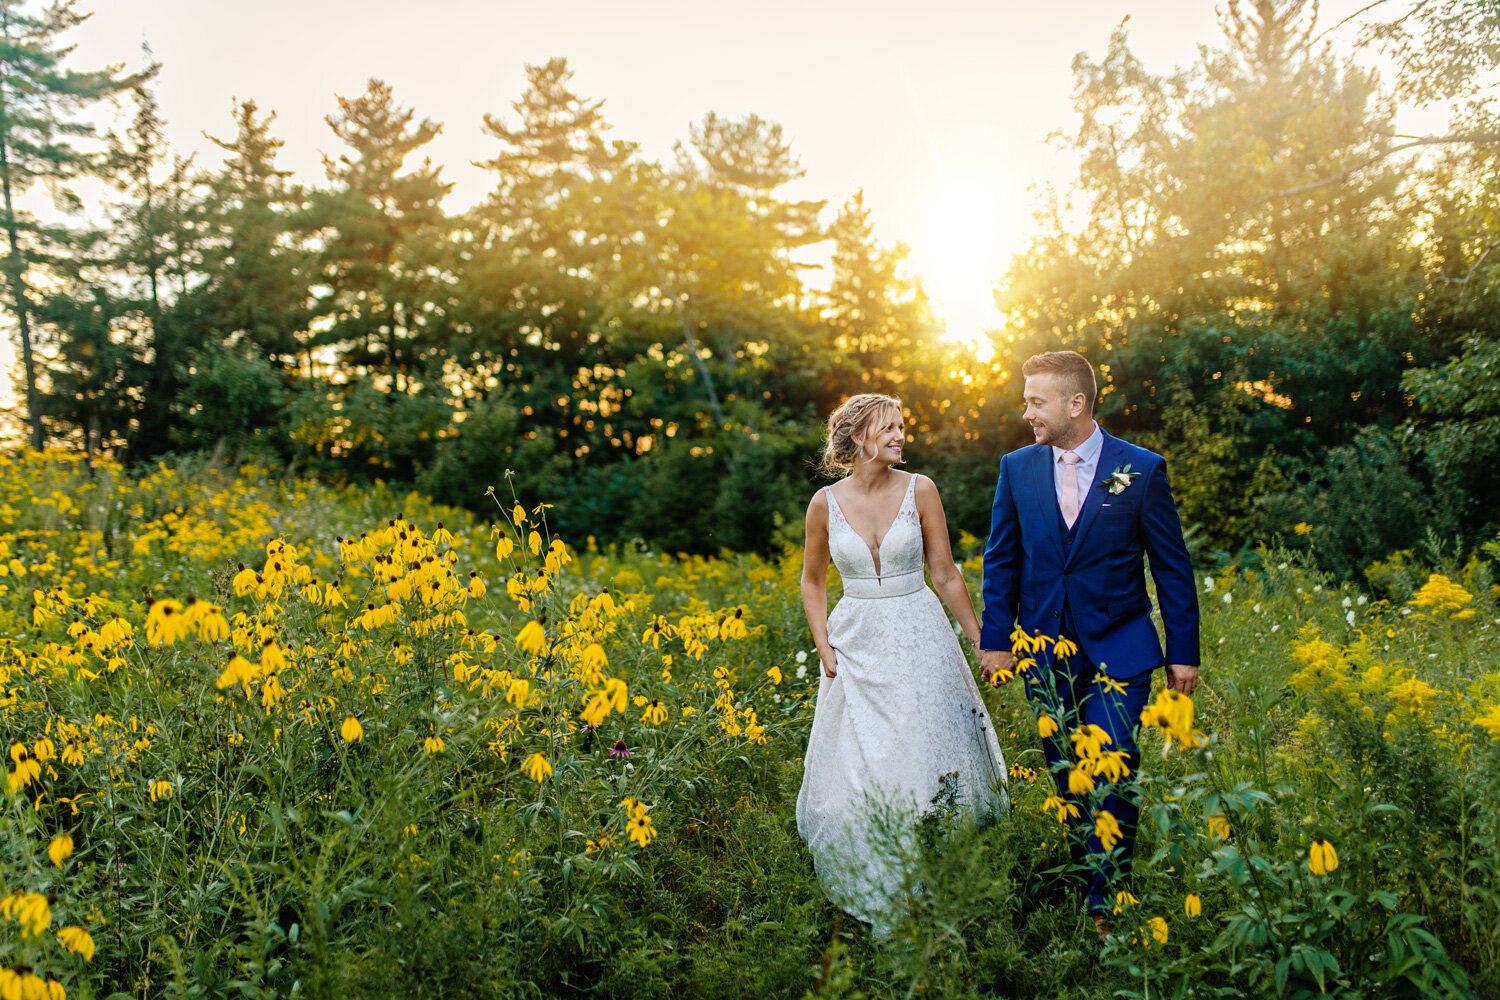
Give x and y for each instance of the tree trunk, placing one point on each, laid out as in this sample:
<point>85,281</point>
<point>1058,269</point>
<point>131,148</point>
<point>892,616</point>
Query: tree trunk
<point>15,271</point>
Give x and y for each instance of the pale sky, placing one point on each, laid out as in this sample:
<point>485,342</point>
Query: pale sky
<point>939,111</point>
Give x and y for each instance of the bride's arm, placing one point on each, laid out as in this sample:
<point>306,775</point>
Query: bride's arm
<point>947,580</point>
<point>815,581</point>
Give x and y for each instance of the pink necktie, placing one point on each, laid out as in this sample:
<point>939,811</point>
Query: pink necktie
<point>1069,497</point>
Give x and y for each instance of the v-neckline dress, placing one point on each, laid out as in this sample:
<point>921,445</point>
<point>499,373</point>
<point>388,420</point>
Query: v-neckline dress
<point>902,720</point>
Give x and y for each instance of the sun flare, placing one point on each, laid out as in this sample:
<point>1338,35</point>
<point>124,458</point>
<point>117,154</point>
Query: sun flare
<point>960,254</point>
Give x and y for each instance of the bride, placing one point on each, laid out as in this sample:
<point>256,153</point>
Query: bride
<point>899,718</point>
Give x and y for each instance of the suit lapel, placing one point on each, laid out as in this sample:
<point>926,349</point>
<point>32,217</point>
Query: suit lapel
<point>1046,494</point>
<point>1110,455</point>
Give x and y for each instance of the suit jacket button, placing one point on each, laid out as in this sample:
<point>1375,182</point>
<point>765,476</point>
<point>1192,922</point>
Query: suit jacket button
<point>1057,614</point>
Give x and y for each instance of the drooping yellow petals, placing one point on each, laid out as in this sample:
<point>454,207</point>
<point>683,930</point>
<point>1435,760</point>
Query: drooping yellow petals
<point>1321,857</point>
<point>78,940</point>
<point>351,730</point>
<point>61,848</point>
<point>532,639</point>
<point>536,767</point>
<point>1107,829</point>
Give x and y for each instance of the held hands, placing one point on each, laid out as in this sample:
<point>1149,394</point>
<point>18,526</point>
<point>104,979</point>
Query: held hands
<point>993,661</point>
<point>1182,678</point>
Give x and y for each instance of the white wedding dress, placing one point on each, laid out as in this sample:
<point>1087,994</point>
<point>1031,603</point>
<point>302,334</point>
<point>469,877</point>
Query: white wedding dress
<point>902,715</point>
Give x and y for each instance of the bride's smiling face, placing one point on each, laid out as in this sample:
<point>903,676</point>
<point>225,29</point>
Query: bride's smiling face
<point>883,439</point>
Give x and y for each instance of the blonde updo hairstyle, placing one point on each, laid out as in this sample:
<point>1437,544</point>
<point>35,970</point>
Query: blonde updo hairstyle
<point>855,417</point>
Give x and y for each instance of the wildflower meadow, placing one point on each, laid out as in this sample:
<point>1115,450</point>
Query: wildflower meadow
<point>272,738</point>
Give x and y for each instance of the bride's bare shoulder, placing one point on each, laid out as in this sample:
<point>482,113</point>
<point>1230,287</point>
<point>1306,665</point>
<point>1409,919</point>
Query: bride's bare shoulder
<point>818,504</point>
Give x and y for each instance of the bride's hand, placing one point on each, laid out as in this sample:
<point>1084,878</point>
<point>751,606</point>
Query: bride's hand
<point>830,663</point>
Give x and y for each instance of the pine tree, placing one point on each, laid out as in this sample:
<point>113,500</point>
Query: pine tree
<point>38,99</point>
<point>385,235</point>
<point>256,267</point>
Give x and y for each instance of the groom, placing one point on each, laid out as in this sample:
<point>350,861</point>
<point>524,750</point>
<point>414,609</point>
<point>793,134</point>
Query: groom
<point>1074,514</point>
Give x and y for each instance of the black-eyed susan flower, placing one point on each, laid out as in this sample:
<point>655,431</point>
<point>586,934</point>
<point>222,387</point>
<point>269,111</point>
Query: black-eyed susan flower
<point>642,831</point>
<point>532,639</point>
<point>1111,765</point>
<point>655,713</point>
<point>1173,712</point>
<point>594,659</point>
<point>1090,740</point>
<point>536,768</point>
<point>165,623</point>
<point>61,848</point>
<point>237,671</point>
<point>1321,857</point>
<point>28,909</point>
<point>76,939</point>
<point>1107,829</point>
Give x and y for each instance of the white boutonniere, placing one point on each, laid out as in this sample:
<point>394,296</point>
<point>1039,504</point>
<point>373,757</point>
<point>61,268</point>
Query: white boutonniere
<point>1119,480</point>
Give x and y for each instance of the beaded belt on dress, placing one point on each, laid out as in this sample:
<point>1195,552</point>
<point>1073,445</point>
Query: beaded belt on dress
<point>894,585</point>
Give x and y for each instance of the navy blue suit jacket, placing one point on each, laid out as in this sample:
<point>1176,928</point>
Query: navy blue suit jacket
<point>1029,571</point>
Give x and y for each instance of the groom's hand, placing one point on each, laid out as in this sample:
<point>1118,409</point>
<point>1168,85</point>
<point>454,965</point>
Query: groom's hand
<point>1182,678</point>
<point>996,661</point>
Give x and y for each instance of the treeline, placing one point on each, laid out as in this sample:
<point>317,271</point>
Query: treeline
<point>1302,321</point>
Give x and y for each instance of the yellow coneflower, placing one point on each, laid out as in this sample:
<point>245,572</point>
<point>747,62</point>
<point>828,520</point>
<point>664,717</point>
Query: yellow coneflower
<point>532,639</point>
<point>1158,927</point>
<point>1192,905</point>
<point>61,848</point>
<point>160,788</point>
<point>1090,740</point>
<point>351,730</point>
<point>433,745</point>
<point>77,939</point>
<point>536,767</point>
<point>1107,829</point>
<point>1321,857</point>
<point>1046,725</point>
<point>1065,809</point>
<point>642,831</point>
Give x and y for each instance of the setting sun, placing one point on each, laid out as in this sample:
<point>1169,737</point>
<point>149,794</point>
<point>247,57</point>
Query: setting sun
<point>960,255</point>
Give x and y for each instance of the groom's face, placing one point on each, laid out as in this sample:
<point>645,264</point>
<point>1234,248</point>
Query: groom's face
<point>1051,408</point>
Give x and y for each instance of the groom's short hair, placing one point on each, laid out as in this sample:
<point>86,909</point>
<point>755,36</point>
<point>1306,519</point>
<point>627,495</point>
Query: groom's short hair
<point>1071,365</point>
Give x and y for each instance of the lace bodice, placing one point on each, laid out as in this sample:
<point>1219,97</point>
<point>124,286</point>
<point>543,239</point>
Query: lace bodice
<point>888,572</point>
